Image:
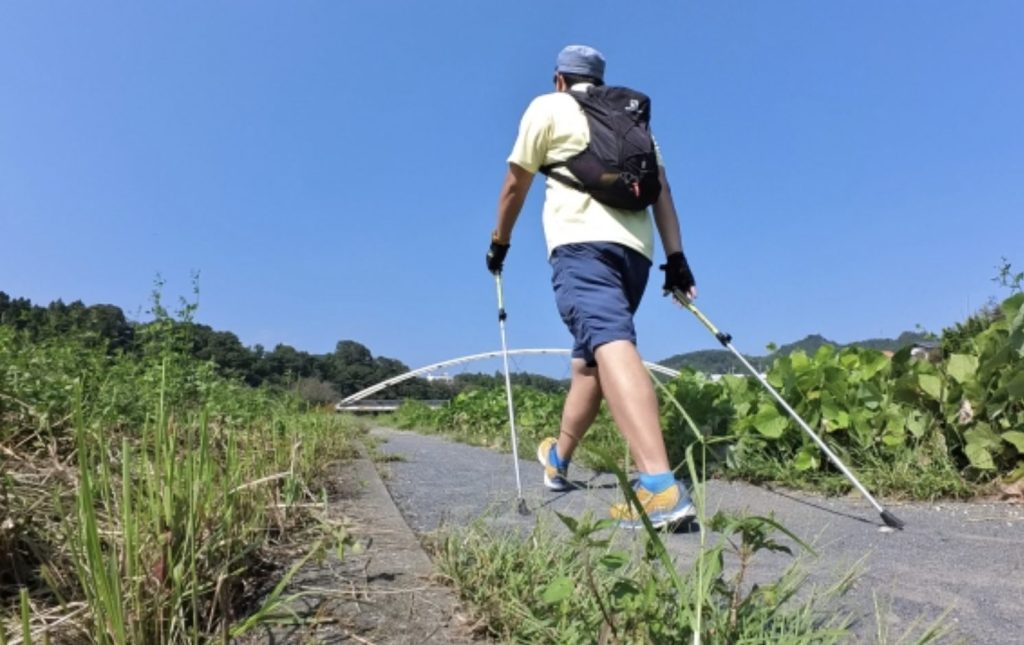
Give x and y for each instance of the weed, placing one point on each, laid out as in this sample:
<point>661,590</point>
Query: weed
<point>144,496</point>
<point>587,587</point>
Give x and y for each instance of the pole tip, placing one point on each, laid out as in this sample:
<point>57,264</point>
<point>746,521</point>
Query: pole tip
<point>892,521</point>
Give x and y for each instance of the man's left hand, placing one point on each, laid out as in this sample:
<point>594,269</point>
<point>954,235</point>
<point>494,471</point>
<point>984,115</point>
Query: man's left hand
<point>678,275</point>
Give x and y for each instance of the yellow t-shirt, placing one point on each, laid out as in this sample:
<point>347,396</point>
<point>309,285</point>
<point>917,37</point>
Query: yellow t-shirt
<point>553,129</point>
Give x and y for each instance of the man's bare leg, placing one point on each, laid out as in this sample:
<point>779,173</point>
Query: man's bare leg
<point>581,407</point>
<point>627,387</point>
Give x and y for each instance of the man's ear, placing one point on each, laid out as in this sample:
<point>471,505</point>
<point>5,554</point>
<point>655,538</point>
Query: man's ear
<point>560,85</point>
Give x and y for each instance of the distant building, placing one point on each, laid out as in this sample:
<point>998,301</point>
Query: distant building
<point>930,352</point>
<point>444,377</point>
<point>718,377</point>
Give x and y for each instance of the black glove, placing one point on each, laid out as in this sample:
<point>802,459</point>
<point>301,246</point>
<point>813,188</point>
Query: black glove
<point>496,256</point>
<point>677,273</point>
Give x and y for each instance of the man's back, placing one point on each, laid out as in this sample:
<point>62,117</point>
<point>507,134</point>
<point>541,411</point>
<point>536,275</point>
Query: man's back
<point>553,129</point>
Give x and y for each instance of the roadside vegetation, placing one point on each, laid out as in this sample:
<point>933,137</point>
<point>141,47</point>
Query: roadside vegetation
<point>913,426</point>
<point>153,479</point>
<point>910,426</point>
<point>587,584</point>
<point>584,587</point>
<point>145,497</point>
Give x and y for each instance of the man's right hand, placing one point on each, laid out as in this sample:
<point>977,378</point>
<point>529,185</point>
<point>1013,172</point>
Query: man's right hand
<point>496,256</point>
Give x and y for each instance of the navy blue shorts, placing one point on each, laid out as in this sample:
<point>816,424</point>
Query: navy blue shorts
<point>598,287</point>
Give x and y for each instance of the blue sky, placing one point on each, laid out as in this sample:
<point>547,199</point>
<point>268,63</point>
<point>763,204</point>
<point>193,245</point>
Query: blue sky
<point>332,168</point>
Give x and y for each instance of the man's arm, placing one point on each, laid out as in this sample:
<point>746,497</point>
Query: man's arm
<point>510,202</point>
<point>665,217</point>
<point>677,270</point>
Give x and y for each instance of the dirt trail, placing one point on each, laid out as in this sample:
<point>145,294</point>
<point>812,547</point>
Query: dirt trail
<point>383,591</point>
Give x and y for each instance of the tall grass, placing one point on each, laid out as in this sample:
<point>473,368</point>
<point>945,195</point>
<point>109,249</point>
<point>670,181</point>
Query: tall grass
<point>588,586</point>
<point>142,498</point>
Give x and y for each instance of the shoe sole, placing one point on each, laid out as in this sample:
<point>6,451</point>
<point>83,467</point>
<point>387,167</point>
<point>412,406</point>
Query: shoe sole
<point>556,487</point>
<point>662,520</point>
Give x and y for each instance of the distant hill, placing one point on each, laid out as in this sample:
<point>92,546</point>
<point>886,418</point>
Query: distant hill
<point>721,361</point>
<point>809,344</point>
<point>713,361</point>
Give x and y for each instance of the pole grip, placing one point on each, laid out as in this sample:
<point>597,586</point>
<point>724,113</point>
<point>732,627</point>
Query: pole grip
<point>685,301</point>
<point>501,296</point>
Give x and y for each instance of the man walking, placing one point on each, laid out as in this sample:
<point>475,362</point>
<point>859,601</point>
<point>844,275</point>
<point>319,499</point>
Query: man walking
<point>600,257</point>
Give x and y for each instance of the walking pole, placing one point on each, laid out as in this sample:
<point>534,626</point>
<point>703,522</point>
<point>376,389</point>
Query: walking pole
<point>508,393</point>
<point>726,341</point>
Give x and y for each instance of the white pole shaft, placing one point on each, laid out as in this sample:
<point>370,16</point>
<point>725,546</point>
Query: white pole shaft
<point>508,386</point>
<point>796,417</point>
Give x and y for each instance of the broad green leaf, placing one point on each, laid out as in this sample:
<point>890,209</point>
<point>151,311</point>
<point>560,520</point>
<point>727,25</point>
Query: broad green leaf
<point>557,590</point>
<point>931,384</point>
<point>843,419</point>
<point>917,424</point>
<point>895,429</point>
<point>806,459</point>
<point>872,363</point>
<point>962,367</point>
<point>980,457</point>
<point>799,361</point>
<point>571,523</point>
<point>735,384</point>
<point>1016,437</point>
<point>974,391</point>
<point>836,416</point>
<point>983,435</point>
<point>769,423</point>
<point>839,386</point>
<point>1013,307</point>
<point>614,560</point>
<point>870,395</point>
<point>862,429</point>
<point>892,440</point>
<point>1015,387</point>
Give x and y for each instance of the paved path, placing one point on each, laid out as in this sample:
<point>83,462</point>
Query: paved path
<point>964,558</point>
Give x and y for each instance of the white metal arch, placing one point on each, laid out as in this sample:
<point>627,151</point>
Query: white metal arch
<point>394,380</point>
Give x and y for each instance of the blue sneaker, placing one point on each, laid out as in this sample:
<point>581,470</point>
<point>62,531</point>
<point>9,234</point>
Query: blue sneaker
<point>669,507</point>
<point>556,479</point>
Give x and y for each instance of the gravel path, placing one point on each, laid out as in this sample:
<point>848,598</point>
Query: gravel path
<point>964,558</point>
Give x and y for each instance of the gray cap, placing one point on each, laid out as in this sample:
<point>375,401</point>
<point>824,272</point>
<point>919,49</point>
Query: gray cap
<point>581,60</point>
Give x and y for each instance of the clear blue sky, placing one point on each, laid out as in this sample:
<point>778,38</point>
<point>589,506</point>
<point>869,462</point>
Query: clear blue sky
<point>332,168</point>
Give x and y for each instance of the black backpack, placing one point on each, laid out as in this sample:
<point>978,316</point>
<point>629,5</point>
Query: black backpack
<point>618,167</point>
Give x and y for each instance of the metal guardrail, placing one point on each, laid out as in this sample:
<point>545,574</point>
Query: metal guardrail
<point>383,405</point>
<point>373,389</point>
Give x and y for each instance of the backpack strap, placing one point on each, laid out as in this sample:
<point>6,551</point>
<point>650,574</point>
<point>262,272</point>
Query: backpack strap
<point>559,177</point>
